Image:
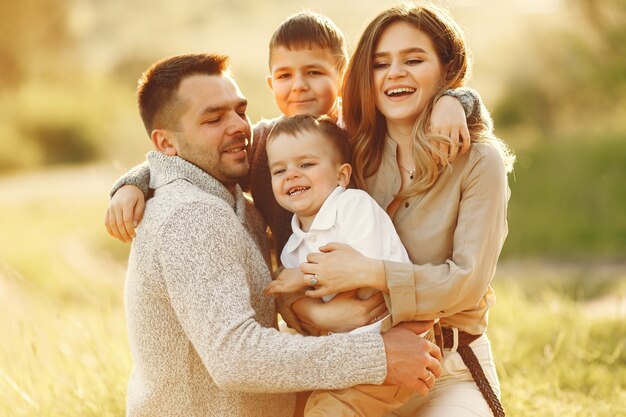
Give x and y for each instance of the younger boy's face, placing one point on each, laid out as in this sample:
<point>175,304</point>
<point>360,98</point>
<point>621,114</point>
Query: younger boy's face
<point>304,81</point>
<point>305,170</point>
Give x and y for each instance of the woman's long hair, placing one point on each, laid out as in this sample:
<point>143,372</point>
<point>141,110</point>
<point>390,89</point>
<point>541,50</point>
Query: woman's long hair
<point>367,127</point>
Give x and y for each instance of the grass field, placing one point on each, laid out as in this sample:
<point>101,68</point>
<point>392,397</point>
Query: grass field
<point>557,328</point>
<point>568,198</point>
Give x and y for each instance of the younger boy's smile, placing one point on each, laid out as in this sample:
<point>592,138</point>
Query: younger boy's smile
<point>305,171</point>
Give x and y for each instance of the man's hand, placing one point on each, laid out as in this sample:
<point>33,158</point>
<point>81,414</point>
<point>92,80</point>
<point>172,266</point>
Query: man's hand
<point>412,361</point>
<point>125,212</point>
<point>289,280</point>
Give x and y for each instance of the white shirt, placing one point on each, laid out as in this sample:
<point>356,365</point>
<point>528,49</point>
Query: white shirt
<point>347,216</point>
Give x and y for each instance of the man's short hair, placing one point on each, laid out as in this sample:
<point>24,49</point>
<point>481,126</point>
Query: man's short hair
<point>306,30</point>
<point>157,98</point>
<point>333,134</point>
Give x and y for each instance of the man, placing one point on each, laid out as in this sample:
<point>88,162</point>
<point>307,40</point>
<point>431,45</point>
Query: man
<point>203,336</point>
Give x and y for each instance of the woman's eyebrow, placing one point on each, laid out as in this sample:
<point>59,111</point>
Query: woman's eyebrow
<point>403,51</point>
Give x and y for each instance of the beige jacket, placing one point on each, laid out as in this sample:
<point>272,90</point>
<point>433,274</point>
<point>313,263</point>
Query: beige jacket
<point>453,233</point>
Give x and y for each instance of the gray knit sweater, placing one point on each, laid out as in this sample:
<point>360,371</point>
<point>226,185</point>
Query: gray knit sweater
<point>202,335</point>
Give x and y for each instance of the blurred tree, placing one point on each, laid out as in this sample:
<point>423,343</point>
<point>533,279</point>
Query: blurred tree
<point>578,75</point>
<point>34,40</point>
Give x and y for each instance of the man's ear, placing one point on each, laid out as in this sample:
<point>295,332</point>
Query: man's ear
<point>164,142</point>
<point>269,81</point>
<point>345,171</point>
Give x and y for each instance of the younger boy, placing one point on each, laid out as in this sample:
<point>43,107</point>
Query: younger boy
<point>309,162</point>
<point>308,55</point>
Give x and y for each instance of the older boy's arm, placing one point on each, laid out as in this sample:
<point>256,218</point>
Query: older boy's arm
<point>469,99</point>
<point>139,176</point>
<point>124,213</point>
<point>453,116</point>
<point>127,203</point>
<point>473,106</point>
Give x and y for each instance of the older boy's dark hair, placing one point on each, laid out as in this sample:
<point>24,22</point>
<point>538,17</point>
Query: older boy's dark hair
<point>157,98</point>
<point>323,125</point>
<point>308,29</point>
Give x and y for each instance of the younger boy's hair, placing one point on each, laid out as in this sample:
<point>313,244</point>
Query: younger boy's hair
<point>306,30</point>
<point>157,98</point>
<point>324,125</point>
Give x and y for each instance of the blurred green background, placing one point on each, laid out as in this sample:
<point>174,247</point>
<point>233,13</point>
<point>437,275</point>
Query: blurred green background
<point>552,72</point>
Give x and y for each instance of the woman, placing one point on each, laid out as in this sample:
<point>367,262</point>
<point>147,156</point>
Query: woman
<point>451,217</point>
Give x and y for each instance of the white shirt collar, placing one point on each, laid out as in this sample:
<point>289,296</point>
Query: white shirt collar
<point>325,218</point>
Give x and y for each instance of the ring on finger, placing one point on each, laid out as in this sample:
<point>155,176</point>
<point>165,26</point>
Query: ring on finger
<point>314,279</point>
<point>429,377</point>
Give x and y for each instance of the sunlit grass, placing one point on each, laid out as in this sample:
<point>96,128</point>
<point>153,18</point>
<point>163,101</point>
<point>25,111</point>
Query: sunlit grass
<point>65,349</point>
<point>553,359</point>
<point>59,360</point>
<point>568,198</point>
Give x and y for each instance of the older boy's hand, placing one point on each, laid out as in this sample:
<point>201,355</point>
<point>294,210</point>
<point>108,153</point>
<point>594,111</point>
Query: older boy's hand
<point>125,212</point>
<point>448,119</point>
<point>412,361</point>
<point>289,280</point>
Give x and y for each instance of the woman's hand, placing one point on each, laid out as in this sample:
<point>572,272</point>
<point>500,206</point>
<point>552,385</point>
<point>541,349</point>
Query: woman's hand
<point>289,280</point>
<point>125,212</point>
<point>448,119</point>
<point>343,313</point>
<point>340,268</point>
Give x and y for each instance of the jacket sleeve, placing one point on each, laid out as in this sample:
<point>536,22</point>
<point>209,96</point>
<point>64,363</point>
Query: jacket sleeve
<point>138,176</point>
<point>475,110</point>
<point>206,260</point>
<point>428,291</point>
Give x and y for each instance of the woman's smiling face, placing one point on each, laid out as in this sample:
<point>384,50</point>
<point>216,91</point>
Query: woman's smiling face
<point>407,73</point>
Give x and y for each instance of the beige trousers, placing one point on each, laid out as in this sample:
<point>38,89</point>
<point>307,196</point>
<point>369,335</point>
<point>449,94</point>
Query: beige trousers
<point>360,400</point>
<point>455,392</point>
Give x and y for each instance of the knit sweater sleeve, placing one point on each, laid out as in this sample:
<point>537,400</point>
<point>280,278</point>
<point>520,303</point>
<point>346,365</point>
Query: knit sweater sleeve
<point>139,176</point>
<point>206,263</point>
<point>475,110</point>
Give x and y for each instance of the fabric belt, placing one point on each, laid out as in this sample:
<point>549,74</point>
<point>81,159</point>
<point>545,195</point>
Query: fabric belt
<point>445,337</point>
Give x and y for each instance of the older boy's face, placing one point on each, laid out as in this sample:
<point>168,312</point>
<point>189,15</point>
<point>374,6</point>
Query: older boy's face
<point>304,81</point>
<point>305,170</point>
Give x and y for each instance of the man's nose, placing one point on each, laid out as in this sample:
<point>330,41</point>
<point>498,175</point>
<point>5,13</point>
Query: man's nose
<point>239,125</point>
